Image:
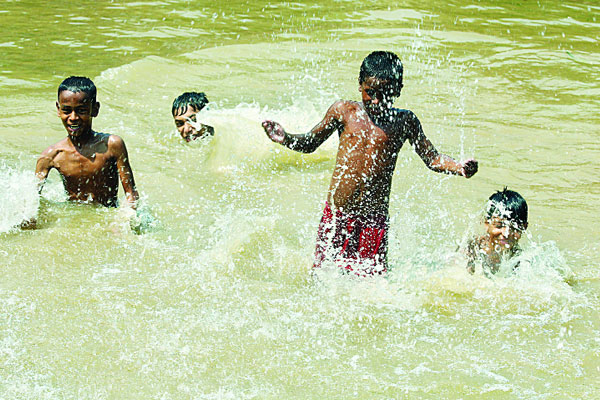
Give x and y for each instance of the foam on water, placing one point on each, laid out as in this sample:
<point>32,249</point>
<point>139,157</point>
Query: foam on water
<point>241,143</point>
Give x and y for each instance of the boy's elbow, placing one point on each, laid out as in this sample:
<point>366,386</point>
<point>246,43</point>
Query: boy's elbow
<point>307,147</point>
<point>312,147</point>
<point>432,168</point>
<point>437,168</point>
<point>434,165</point>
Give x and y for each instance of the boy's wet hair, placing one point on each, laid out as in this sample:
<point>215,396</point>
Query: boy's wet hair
<point>77,84</point>
<point>197,100</point>
<point>510,205</point>
<point>383,65</point>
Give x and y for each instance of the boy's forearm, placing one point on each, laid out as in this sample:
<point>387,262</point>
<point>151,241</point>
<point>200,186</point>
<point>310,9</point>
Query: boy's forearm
<point>132,198</point>
<point>301,143</point>
<point>446,164</point>
<point>131,193</point>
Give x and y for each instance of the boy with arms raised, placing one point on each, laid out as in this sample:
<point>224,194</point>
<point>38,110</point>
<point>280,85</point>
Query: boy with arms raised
<point>353,229</point>
<point>184,110</point>
<point>90,163</point>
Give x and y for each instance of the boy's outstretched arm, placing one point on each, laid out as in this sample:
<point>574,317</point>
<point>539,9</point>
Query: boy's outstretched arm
<point>433,160</point>
<point>308,142</point>
<point>125,173</point>
<point>42,168</point>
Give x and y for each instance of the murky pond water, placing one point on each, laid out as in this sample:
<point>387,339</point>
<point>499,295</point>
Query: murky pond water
<point>215,299</point>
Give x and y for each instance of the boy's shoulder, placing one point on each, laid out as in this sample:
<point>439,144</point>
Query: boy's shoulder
<point>51,156</point>
<point>57,147</point>
<point>102,142</point>
<point>406,123</point>
<point>404,114</point>
<point>113,141</point>
<point>344,106</point>
<point>105,140</point>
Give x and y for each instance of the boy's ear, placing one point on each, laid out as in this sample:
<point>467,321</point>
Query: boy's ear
<point>95,109</point>
<point>57,109</point>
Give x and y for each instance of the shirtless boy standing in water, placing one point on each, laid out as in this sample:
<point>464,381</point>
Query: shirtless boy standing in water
<point>353,229</point>
<point>90,163</point>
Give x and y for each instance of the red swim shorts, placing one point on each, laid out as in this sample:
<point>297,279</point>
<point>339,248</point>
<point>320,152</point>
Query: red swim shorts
<point>355,243</point>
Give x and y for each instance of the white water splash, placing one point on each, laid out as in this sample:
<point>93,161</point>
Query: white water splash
<point>19,199</point>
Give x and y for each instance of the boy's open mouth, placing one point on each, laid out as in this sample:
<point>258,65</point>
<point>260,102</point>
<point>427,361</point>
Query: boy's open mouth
<point>74,128</point>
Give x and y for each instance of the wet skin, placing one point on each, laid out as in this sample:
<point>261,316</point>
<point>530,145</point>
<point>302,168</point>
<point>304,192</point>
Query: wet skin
<point>500,240</point>
<point>90,163</point>
<point>371,133</point>
<point>187,131</point>
<point>502,235</point>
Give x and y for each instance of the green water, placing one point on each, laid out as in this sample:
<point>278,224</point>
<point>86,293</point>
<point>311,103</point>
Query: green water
<point>215,300</point>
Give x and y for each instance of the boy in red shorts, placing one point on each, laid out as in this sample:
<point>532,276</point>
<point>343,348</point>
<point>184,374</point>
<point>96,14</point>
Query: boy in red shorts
<point>353,229</point>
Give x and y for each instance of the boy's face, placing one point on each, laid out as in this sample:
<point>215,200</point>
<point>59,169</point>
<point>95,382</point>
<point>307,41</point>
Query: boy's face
<point>378,95</point>
<point>76,111</point>
<point>503,233</point>
<point>185,129</point>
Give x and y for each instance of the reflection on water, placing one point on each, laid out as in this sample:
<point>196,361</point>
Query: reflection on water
<point>215,299</point>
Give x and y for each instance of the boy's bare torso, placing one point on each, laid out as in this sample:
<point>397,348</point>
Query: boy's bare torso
<point>366,159</point>
<point>371,133</point>
<point>89,173</point>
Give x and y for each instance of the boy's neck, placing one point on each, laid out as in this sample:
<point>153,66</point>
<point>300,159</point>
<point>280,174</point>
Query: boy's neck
<point>384,119</point>
<point>83,139</point>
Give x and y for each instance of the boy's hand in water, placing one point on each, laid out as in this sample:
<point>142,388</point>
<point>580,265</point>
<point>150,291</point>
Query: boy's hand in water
<point>469,168</point>
<point>274,131</point>
<point>28,224</point>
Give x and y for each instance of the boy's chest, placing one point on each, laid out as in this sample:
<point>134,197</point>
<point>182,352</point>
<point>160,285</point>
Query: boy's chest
<point>72,164</point>
<point>366,137</point>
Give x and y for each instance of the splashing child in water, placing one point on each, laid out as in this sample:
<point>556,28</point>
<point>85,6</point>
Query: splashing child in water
<point>353,230</point>
<point>505,221</point>
<point>90,163</point>
<point>184,110</point>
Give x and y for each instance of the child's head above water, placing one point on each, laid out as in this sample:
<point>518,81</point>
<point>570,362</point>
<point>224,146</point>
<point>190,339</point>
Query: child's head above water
<point>506,219</point>
<point>77,105</point>
<point>184,110</point>
<point>380,80</point>
<point>383,65</point>
<point>77,84</point>
<point>194,101</point>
